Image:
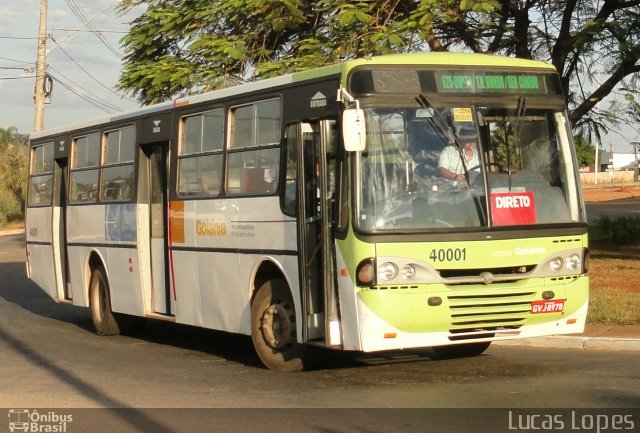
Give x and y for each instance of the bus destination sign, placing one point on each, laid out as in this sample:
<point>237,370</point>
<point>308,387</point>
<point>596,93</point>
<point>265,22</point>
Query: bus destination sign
<point>489,82</point>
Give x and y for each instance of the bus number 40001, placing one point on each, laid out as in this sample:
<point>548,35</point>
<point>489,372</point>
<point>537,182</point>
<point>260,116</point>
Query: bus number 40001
<point>448,254</point>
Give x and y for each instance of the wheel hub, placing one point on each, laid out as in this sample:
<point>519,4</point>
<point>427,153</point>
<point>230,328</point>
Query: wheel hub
<point>277,327</point>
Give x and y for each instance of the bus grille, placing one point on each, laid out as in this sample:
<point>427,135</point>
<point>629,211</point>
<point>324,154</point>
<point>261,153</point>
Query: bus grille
<point>483,316</point>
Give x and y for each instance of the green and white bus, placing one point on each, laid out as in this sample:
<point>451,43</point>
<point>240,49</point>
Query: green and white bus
<point>310,210</point>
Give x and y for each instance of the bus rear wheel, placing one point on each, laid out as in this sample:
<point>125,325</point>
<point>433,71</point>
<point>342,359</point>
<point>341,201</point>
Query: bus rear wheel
<point>465,350</point>
<point>273,328</point>
<point>100,304</point>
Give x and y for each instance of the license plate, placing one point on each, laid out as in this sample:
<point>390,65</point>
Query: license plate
<point>547,306</point>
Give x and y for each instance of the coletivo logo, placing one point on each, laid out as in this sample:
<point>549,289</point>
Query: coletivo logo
<point>33,421</point>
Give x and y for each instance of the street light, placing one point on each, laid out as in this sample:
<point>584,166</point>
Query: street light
<point>636,145</point>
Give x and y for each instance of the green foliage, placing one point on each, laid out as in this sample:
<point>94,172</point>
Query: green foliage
<point>178,47</point>
<point>507,153</point>
<point>585,151</point>
<point>619,231</point>
<point>13,174</point>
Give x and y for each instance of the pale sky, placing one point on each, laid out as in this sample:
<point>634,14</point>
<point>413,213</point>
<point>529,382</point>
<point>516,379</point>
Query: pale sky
<point>81,62</point>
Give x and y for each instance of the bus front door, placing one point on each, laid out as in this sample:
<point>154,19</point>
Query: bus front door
<point>316,162</point>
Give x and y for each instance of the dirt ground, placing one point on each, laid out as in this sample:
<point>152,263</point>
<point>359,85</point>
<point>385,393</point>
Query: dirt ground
<point>592,194</point>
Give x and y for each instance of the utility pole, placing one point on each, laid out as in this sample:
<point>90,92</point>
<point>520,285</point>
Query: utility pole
<point>41,69</point>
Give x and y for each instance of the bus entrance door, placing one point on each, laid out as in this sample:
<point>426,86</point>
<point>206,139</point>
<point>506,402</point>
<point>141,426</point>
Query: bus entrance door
<point>161,290</point>
<point>61,257</point>
<point>316,161</point>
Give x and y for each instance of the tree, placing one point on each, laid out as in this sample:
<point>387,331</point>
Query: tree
<point>585,151</point>
<point>13,172</point>
<point>177,47</point>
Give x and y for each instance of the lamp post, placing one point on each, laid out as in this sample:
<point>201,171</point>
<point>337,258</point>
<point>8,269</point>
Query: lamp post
<point>636,171</point>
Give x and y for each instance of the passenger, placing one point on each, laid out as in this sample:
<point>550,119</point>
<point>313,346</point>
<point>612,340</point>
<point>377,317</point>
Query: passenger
<point>450,164</point>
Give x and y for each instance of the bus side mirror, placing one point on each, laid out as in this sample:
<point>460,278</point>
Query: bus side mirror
<point>353,130</point>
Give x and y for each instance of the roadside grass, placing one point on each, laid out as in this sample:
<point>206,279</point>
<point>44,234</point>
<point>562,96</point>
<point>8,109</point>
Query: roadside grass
<point>615,283</point>
<point>609,305</point>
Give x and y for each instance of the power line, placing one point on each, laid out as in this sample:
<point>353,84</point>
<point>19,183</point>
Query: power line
<point>91,31</point>
<point>87,72</point>
<point>96,102</point>
<point>17,61</point>
<point>85,91</point>
<point>18,38</point>
<point>16,78</point>
<point>79,13</point>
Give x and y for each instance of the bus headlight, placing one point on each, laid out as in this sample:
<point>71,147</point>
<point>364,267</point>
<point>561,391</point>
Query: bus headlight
<point>573,262</point>
<point>408,272</point>
<point>387,271</point>
<point>555,264</point>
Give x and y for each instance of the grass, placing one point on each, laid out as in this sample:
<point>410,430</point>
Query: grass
<point>615,284</point>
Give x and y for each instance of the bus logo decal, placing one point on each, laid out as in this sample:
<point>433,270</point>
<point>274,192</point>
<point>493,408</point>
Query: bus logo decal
<point>318,100</point>
<point>211,227</point>
<point>156,126</point>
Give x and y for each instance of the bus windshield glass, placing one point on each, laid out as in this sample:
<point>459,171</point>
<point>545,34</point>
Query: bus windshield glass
<point>465,167</point>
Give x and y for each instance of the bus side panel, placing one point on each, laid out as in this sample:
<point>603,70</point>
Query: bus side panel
<point>220,244</point>
<point>124,281</point>
<point>86,224</point>
<point>261,233</point>
<point>40,249</point>
<point>78,272</point>
<point>249,266</point>
<point>348,306</point>
<point>184,267</point>
<point>87,232</point>
<point>187,288</point>
<point>222,295</point>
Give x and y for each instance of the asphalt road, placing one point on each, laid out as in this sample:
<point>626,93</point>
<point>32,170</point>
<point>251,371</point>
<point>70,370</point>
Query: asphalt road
<point>628,206</point>
<point>50,358</point>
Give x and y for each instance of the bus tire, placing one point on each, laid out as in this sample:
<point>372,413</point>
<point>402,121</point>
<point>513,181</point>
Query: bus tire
<point>100,304</point>
<point>273,328</point>
<point>465,350</point>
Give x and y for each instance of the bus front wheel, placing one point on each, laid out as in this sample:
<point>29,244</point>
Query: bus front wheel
<point>100,304</point>
<point>465,350</point>
<point>273,328</point>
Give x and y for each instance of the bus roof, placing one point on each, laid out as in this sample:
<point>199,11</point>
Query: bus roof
<point>421,59</point>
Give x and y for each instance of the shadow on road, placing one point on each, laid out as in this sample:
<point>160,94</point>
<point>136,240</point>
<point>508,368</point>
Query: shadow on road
<point>232,347</point>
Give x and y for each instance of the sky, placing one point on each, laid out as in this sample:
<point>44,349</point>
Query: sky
<point>80,61</point>
<point>83,62</point>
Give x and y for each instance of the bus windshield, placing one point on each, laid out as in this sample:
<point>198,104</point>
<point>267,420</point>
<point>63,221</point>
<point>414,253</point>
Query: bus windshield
<point>465,167</point>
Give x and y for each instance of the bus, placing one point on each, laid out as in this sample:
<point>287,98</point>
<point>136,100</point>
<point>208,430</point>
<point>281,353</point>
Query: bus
<point>311,210</point>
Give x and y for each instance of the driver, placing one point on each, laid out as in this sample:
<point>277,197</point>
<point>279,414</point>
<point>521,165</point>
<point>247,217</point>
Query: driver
<point>450,164</point>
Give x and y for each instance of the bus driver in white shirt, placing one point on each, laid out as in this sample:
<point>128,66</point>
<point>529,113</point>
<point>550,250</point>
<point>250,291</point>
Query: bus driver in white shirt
<point>450,164</point>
